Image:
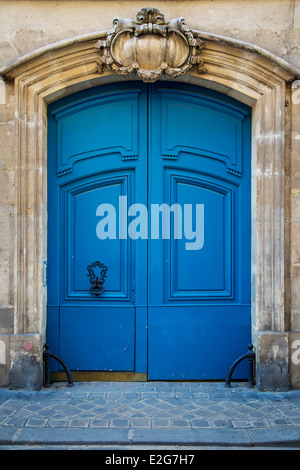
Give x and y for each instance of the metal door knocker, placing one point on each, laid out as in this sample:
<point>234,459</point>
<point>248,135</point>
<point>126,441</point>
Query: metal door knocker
<point>97,284</point>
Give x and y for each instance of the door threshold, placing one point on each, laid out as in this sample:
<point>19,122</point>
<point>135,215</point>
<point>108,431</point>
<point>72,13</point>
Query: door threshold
<point>100,376</point>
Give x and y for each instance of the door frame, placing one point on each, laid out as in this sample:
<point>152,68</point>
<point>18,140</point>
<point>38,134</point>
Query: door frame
<point>151,99</point>
<point>247,73</point>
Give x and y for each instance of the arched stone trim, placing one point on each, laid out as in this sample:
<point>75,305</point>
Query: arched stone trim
<point>245,72</point>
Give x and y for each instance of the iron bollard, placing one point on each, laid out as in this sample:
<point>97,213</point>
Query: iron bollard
<point>251,358</point>
<point>47,355</point>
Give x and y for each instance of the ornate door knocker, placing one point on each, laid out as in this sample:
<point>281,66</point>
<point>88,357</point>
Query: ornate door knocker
<point>97,283</point>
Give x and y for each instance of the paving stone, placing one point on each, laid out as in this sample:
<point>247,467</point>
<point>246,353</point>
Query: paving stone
<point>47,413</point>
<point>149,394</point>
<point>295,421</point>
<point>281,422</point>
<point>114,394</point>
<point>200,423</point>
<point>87,415</point>
<point>36,422</point>
<point>78,423</point>
<point>216,408</point>
<point>161,415</point>
<point>221,423</point>
<point>166,394</point>
<point>86,406</point>
<point>98,396</point>
<point>99,423</point>
<point>291,413</point>
<point>112,415</point>
<point>137,406</point>
<point>5,412</point>
<point>161,423</point>
<point>178,401</point>
<point>140,423</point>
<point>131,395</point>
<point>186,395</point>
<point>57,423</point>
<point>241,423</point>
<point>119,423</point>
<point>149,400</point>
<point>181,423</point>
<point>259,424</point>
<point>231,413</point>
<point>203,413</point>
<point>16,422</point>
<point>99,411</point>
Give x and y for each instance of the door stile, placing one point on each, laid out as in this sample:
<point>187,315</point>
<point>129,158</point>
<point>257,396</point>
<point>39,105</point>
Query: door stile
<point>139,296</point>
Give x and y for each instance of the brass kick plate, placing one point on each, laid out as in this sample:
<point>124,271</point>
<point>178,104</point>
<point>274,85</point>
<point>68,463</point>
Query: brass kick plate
<point>99,376</point>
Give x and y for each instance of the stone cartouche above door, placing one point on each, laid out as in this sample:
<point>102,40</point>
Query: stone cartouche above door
<point>150,47</point>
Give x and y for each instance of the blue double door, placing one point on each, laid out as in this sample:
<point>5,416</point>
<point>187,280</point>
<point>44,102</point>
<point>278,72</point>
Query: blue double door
<point>153,182</point>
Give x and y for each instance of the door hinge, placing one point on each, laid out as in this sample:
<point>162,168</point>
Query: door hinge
<point>45,273</point>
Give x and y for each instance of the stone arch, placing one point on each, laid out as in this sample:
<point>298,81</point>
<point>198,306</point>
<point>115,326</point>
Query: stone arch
<point>240,70</point>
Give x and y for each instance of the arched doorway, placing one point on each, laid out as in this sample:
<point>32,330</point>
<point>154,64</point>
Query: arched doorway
<point>153,182</point>
<point>243,71</point>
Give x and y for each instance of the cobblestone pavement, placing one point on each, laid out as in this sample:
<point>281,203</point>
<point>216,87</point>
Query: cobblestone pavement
<point>148,406</point>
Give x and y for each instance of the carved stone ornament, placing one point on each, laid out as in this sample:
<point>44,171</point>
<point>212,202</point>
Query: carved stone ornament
<point>150,46</point>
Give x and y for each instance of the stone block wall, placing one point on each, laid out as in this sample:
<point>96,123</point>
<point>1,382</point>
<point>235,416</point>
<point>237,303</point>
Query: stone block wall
<point>271,24</point>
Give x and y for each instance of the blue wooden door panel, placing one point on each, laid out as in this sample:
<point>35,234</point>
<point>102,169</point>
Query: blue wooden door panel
<point>105,340</point>
<point>97,155</point>
<point>199,296</point>
<point>84,128</point>
<point>212,127</point>
<point>177,301</point>
<point>188,343</point>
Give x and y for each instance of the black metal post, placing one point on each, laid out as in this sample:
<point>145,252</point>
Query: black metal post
<point>47,355</point>
<point>251,357</point>
<point>46,358</point>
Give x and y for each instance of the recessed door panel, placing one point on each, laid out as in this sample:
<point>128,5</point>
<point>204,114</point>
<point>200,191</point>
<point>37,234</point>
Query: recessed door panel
<point>84,127</point>
<point>81,206</point>
<point>207,238</point>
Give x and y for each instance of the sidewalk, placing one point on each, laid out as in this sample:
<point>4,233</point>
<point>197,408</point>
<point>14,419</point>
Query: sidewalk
<point>150,413</point>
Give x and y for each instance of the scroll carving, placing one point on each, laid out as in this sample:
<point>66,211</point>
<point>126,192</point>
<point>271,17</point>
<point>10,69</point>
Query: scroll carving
<point>150,46</point>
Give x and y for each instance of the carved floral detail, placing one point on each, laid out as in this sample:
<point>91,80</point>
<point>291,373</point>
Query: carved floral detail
<point>150,46</point>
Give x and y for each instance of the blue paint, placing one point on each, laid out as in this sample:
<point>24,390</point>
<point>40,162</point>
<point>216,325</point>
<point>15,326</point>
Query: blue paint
<point>171,312</point>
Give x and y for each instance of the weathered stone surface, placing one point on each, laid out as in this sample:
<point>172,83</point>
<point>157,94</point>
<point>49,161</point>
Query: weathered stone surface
<point>4,360</point>
<point>6,320</point>
<point>273,362</point>
<point>273,25</point>
<point>26,366</point>
<point>150,47</point>
<point>294,344</point>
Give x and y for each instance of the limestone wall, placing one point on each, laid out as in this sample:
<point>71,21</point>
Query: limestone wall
<point>271,24</point>
<point>28,25</point>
